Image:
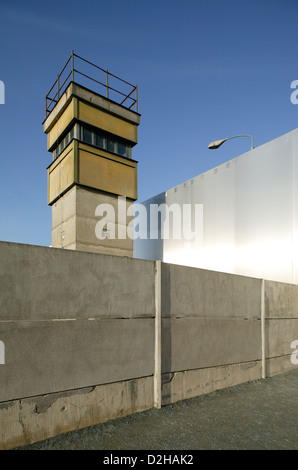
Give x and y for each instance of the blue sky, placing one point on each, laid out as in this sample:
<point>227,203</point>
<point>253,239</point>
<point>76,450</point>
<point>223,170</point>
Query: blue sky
<point>205,69</point>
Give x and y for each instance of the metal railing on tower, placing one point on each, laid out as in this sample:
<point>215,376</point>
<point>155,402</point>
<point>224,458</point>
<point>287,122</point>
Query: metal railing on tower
<point>115,88</point>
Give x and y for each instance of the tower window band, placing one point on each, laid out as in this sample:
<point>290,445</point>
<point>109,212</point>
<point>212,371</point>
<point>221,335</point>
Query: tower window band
<point>91,137</point>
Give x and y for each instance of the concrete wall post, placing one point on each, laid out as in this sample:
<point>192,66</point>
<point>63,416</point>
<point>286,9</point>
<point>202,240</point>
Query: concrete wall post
<point>157,353</point>
<point>263,329</point>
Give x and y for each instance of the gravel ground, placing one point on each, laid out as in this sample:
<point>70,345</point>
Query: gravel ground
<point>260,415</point>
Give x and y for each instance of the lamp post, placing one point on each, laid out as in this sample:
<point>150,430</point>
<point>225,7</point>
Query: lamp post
<point>218,143</point>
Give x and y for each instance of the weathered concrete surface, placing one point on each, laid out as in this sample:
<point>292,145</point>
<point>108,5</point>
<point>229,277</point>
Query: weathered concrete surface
<point>39,283</point>
<point>37,418</point>
<point>281,300</point>
<point>260,415</point>
<point>71,320</point>
<point>190,292</point>
<point>192,383</point>
<point>74,223</point>
<point>210,319</point>
<point>198,343</point>
<point>52,356</point>
<point>281,312</point>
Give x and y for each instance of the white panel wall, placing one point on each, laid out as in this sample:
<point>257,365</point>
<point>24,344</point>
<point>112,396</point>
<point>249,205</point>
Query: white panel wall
<point>250,215</point>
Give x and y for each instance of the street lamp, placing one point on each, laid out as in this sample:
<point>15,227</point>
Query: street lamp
<point>218,143</point>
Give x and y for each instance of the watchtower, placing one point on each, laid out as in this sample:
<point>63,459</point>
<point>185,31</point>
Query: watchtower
<point>91,136</point>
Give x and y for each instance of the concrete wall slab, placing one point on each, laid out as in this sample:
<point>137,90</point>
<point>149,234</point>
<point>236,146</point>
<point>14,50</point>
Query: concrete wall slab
<point>198,343</point>
<point>38,283</point>
<point>53,356</point>
<point>190,292</point>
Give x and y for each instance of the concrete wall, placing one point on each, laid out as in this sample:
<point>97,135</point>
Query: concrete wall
<point>281,314</point>
<point>211,323</point>
<point>80,332</point>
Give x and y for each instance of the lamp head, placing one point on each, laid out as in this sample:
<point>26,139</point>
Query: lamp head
<point>216,144</point>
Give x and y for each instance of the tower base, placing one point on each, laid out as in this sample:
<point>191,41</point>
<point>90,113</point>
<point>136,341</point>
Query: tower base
<point>84,219</point>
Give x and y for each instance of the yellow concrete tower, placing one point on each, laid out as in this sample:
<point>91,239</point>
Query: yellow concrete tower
<point>92,180</point>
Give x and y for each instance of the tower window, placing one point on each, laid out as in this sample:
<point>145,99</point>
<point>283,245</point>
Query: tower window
<point>101,141</point>
<point>98,140</point>
<point>121,150</point>
<point>110,145</point>
<point>87,135</point>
